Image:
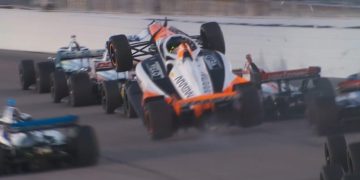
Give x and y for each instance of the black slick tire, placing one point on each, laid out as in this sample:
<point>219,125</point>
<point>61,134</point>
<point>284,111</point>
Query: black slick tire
<point>331,172</point>
<point>84,147</point>
<point>59,88</point>
<point>43,71</point>
<point>335,151</point>
<point>159,119</point>
<point>26,74</point>
<point>80,90</point>
<point>120,53</point>
<point>354,158</point>
<point>212,37</point>
<point>110,96</point>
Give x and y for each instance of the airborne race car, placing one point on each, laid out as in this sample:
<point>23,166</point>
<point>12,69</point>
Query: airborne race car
<point>184,79</point>
<point>39,74</point>
<point>336,112</point>
<point>30,143</point>
<point>284,93</point>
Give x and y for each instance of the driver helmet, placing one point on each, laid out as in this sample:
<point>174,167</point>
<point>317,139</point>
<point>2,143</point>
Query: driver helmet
<point>178,47</point>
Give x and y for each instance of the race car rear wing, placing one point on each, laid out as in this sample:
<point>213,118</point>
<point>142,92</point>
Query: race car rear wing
<point>349,85</point>
<point>44,124</point>
<point>310,72</point>
<point>305,73</point>
<point>69,55</point>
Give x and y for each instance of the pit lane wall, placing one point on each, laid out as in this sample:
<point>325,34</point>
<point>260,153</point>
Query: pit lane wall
<point>203,7</point>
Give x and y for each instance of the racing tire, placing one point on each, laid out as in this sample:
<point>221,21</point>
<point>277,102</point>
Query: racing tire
<point>110,96</point>
<point>252,112</point>
<point>84,147</point>
<point>351,177</point>
<point>129,110</point>
<point>321,109</point>
<point>120,53</point>
<point>159,119</point>
<point>43,71</point>
<point>335,151</point>
<point>354,158</point>
<point>331,172</point>
<point>59,88</point>
<point>2,161</point>
<point>27,74</point>
<point>80,90</point>
<point>212,37</point>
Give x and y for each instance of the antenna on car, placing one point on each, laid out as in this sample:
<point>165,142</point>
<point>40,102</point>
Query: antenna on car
<point>165,21</point>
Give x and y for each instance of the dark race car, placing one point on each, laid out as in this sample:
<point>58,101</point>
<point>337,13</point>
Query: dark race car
<point>284,92</point>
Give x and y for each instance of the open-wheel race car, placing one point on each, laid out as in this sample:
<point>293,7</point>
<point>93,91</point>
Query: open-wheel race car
<point>80,76</point>
<point>27,143</point>
<point>39,74</point>
<point>342,159</point>
<point>338,111</point>
<point>182,79</point>
<point>284,92</point>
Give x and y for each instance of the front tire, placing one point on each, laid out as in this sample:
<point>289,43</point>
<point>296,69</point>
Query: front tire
<point>212,37</point>
<point>354,158</point>
<point>252,112</point>
<point>110,96</point>
<point>120,53</point>
<point>331,172</point>
<point>159,119</point>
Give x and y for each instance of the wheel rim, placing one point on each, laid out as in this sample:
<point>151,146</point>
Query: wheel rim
<point>327,156</point>
<point>112,55</point>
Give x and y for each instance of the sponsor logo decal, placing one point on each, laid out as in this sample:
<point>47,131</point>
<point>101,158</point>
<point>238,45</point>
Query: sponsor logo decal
<point>212,62</point>
<point>103,65</point>
<point>205,83</point>
<point>155,70</point>
<point>184,86</point>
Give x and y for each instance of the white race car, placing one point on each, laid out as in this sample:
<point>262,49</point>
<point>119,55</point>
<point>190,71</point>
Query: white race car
<point>25,142</point>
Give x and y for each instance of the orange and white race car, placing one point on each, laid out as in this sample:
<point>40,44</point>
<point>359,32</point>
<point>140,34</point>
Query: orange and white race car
<point>181,79</point>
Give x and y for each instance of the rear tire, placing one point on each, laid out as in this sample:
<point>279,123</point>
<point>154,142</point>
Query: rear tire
<point>252,112</point>
<point>212,37</point>
<point>322,110</point>
<point>331,172</point>
<point>110,96</point>
<point>84,147</point>
<point>27,74</point>
<point>129,110</point>
<point>120,53</point>
<point>80,90</point>
<point>59,88</point>
<point>159,119</point>
<point>3,162</point>
<point>335,151</point>
<point>43,71</point>
<point>354,158</point>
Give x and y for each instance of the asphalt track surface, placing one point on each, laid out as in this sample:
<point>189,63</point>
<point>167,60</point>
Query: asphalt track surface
<point>286,150</point>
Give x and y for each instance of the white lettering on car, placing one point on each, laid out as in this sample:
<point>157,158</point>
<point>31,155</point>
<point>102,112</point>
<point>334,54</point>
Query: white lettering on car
<point>155,70</point>
<point>183,86</point>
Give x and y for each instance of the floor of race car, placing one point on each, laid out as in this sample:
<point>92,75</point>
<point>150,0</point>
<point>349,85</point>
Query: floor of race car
<point>272,151</point>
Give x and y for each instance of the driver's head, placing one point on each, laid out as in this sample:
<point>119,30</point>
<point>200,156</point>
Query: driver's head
<point>179,47</point>
<point>11,102</point>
